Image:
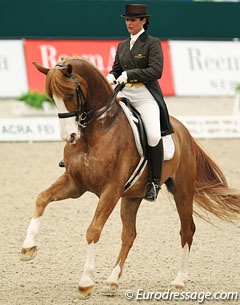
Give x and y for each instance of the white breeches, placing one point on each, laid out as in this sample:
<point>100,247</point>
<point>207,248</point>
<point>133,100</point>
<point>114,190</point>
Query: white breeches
<point>146,105</point>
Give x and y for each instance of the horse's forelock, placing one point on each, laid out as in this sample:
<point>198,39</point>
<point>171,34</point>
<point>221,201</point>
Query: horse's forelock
<point>57,84</point>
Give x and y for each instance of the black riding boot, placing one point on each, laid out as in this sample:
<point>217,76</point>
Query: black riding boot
<point>61,164</point>
<point>156,163</point>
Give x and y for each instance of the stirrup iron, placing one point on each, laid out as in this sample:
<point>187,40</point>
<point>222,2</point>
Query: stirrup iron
<point>151,191</point>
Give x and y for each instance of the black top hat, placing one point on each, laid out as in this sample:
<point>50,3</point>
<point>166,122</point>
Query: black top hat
<point>135,10</point>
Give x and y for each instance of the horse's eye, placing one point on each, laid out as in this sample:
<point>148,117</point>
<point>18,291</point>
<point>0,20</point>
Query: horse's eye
<point>70,96</point>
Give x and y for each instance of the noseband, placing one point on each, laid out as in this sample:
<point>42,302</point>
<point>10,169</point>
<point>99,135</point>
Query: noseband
<point>80,114</point>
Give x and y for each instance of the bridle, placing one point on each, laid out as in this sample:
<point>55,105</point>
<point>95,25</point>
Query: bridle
<point>80,113</point>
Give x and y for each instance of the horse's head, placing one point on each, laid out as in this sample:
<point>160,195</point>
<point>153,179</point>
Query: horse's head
<point>68,91</point>
<point>81,94</point>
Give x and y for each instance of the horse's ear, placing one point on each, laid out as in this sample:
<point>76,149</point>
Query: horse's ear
<point>67,70</point>
<point>41,68</point>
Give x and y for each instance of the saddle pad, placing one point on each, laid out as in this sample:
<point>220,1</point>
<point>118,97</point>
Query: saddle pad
<point>132,121</point>
<point>168,144</point>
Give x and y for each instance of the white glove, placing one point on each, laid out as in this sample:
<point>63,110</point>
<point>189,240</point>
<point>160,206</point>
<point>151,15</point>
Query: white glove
<point>111,79</point>
<point>122,78</point>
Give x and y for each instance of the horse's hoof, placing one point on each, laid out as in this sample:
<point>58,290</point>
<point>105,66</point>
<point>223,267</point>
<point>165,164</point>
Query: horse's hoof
<point>28,253</point>
<point>177,284</point>
<point>85,292</point>
<point>110,289</point>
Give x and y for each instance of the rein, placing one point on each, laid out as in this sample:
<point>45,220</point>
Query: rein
<point>80,114</point>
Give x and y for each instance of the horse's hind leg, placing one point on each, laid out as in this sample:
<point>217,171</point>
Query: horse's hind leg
<point>63,188</point>
<point>183,193</point>
<point>129,208</point>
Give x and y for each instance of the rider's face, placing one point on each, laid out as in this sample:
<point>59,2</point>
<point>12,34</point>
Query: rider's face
<point>135,25</point>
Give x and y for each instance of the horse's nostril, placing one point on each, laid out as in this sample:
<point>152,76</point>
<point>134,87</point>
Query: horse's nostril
<point>73,138</point>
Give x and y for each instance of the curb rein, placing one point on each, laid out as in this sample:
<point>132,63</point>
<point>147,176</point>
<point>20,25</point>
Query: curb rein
<point>80,114</point>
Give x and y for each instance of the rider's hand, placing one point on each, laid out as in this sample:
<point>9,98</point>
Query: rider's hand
<point>111,79</point>
<point>122,78</point>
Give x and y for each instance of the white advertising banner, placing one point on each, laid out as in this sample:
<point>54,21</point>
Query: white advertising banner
<point>13,75</point>
<point>29,129</point>
<point>47,129</point>
<point>205,67</point>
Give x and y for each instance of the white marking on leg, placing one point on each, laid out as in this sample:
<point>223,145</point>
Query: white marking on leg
<point>68,126</point>
<point>182,275</point>
<point>114,276</point>
<point>111,287</point>
<point>32,232</point>
<point>185,255</point>
<point>86,279</point>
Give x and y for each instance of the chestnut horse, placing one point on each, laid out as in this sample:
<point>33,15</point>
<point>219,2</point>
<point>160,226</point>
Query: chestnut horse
<point>100,155</point>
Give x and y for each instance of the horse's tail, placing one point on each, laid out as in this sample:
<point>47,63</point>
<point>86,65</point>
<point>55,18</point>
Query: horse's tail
<point>212,191</point>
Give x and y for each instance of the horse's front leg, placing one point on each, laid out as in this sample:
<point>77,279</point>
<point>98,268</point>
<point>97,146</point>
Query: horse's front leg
<point>105,206</point>
<point>129,208</point>
<point>63,188</point>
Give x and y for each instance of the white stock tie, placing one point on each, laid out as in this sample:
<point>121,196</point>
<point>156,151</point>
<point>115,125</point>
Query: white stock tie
<point>132,41</point>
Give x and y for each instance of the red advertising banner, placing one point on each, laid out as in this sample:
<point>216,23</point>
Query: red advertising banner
<point>166,81</point>
<point>100,52</point>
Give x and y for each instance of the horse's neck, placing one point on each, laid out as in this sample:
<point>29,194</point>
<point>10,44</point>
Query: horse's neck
<point>101,105</point>
<point>98,94</point>
<point>107,116</point>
